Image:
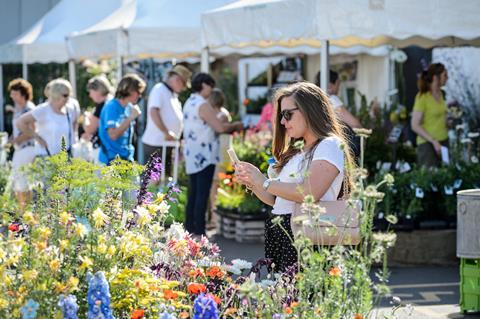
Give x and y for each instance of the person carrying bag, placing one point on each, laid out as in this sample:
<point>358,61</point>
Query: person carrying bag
<point>312,156</point>
<point>328,223</point>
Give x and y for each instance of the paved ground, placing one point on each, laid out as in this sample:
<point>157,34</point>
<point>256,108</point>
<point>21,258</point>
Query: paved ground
<point>433,291</point>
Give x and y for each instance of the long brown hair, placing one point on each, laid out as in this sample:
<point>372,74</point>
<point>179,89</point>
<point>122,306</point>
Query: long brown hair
<point>426,78</point>
<point>319,115</point>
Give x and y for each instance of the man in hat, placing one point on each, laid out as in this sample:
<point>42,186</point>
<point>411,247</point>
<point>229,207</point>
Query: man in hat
<point>165,117</point>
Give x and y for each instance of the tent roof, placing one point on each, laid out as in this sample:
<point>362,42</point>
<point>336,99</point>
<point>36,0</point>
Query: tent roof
<point>45,41</point>
<point>145,28</point>
<point>263,24</point>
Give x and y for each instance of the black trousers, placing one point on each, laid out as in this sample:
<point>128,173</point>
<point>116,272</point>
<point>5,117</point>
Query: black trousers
<point>198,194</point>
<point>278,245</point>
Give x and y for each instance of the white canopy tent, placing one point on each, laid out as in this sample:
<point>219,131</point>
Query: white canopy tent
<point>145,29</point>
<point>264,24</point>
<point>44,42</point>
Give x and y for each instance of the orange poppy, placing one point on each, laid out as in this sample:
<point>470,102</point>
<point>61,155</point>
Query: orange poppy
<point>194,273</point>
<point>288,310</point>
<point>335,272</point>
<point>184,315</point>
<point>216,299</point>
<point>169,294</point>
<point>194,288</point>
<point>215,272</point>
<point>138,314</point>
<point>358,316</point>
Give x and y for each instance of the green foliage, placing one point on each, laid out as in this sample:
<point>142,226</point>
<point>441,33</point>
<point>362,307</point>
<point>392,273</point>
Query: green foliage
<point>228,83</point>
<point>402,201</point>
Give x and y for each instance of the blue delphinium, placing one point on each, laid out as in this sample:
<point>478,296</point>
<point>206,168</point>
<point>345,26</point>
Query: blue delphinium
<point>205,307</point>
<point>98,297</point>
<point>29,310</point>
<point>68,306</point>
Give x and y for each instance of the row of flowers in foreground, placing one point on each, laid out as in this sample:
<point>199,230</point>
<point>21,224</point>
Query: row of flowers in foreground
<point>87,248</point>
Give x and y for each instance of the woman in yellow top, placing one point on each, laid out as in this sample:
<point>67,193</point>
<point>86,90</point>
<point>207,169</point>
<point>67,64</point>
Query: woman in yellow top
<point>429,118</point>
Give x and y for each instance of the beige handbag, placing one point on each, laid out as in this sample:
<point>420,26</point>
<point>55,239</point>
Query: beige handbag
<point>337,224</point>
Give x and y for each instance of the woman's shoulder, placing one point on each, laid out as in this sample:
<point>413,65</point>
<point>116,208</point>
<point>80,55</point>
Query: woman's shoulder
<point>331,141</point>
<point>329,146</point>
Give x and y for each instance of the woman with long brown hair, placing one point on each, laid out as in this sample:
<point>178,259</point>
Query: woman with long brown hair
<point>429,117</point>
<point>303,115</point>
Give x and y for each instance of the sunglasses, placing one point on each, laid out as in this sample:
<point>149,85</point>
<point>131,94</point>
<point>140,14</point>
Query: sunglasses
<point>287,114</point>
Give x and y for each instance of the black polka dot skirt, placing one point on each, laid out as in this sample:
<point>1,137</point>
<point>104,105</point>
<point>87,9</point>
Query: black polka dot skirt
<point>278,245</point>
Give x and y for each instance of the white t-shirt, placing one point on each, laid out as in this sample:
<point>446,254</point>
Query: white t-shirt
<point>335,101</point>
<point>294,172</point>
<point>52,126</point>
<point>166,102</point>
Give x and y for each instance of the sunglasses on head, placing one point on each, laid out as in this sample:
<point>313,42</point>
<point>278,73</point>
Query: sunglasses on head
<point>287,114</point>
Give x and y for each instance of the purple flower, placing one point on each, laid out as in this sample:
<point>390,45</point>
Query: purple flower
<point>68,306</point>
<point>205,307</point>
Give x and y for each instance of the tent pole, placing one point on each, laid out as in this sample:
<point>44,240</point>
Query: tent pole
<point>24,64</point>
<point>324,64</point>
<point>2,105</point>
<point>72,77</point>
<point>204,63</point>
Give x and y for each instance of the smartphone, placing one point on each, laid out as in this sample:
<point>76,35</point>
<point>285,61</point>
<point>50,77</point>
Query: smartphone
<point>233,156</point>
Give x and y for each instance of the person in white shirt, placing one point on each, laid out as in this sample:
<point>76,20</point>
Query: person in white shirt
<point>165,117</point>
<point>54,120</point>
<point>304,114</point>
<point>21,93</point>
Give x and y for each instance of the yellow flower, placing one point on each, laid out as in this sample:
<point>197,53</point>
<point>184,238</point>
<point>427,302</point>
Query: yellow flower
<point>42,286</point>
<point>86,262</point>
<point>99,218</point>
<point>29,218</point>
<point>29,275</point>
<point>3,304</point>
<point>73,283</point>
<point>65,218</point>
<point>54,265</point>
<point>111,250</point>
<point>7,280</point>
<point>64,244</point>
<point>159,198</point>
<point>102,248</point>
<point>144,216</point>
<point>80,230</point>
<point>59,287</point>
<point>44,232</point>
<point>3,254</point>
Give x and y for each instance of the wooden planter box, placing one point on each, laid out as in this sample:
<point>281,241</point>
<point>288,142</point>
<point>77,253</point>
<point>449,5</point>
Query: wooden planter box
<point>243,227</point>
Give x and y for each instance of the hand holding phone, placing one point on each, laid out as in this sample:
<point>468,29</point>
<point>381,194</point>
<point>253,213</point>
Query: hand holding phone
<point>233,156</point>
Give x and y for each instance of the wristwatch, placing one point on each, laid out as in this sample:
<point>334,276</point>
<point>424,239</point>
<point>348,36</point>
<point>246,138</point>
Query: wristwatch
<point>267,182</point>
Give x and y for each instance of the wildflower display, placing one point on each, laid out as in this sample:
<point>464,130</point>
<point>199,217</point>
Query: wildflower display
<point>95,244</point>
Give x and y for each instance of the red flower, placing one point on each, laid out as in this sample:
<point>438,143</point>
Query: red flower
<point>194,288</point>
<point>138,314</point>
<point>13,227</point>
